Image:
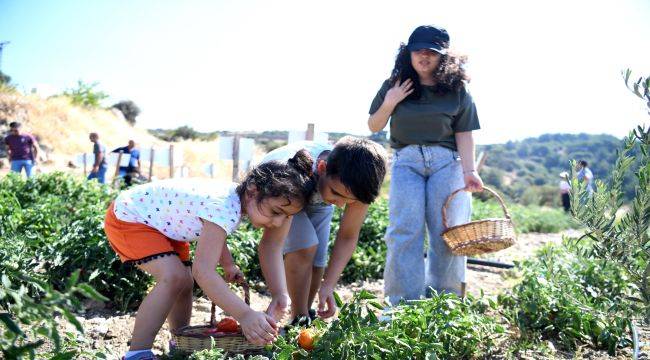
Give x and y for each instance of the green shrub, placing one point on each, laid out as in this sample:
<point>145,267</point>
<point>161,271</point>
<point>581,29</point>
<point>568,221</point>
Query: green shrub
<point>85,95</point>
<point>526,218</point>
<point>443,327</point>
<point>624,241</point>
<point>29,310</point>
<point>571,298</point>
<point>129,109</point>
<point>368,259</point>
<point>59,236</point>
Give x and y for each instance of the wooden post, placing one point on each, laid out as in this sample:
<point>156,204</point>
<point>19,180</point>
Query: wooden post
<point>117,166</point>
<point>310,132</point>
<point>235,157</point>
<point>151,164</point>
<point>85,169</point>
<point>463,289</point>
<point>117,169</point>
<point>171,161</point>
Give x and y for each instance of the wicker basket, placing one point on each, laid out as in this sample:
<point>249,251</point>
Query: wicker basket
<point>196,338</point>
<point>480,236</point>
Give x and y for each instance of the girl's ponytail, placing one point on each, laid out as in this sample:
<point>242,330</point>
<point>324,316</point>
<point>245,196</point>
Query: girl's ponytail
<point>302,162</point>
<point>292,180</point>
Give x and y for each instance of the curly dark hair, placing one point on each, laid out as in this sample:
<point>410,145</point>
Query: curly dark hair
<point>449,76</point>
<point>292,180</point>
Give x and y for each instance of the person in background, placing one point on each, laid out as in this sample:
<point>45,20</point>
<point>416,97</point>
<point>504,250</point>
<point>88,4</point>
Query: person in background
<point>99,165</point>
<point>432,120</point>
<point>134,162</point>
<point>565,187</point>
<point>22,149</point>
<point>585,174</point>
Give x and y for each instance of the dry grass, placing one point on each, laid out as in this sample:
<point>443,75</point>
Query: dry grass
<point>62,129</point>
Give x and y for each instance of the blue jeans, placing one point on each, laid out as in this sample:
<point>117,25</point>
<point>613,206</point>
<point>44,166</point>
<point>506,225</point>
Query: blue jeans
<point>422,179</point>
<point>100,175</point>
<point>18,165</point>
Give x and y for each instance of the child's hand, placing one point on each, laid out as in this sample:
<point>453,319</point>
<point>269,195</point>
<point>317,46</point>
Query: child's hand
<point>278,307</point>
<point>232,274</point>
<point>258,327</point>
<point>326,303</point>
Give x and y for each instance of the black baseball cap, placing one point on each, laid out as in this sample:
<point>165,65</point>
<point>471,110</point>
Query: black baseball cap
<point>429,37</point>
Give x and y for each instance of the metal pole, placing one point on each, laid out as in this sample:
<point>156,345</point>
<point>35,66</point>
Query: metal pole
<point>490,263</point>
<point>151,156</point>
<point>310,132</point>
<point>2,44</point>
<point>235,157</point>
<point>171,161</point>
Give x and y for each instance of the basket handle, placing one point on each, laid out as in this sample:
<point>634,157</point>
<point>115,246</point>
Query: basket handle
<point>247,300</point>
<point>485,188</point>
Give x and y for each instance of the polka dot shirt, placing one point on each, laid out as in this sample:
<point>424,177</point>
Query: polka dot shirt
<point>175,207</point>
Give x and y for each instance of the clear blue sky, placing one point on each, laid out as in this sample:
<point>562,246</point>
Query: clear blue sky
<point>537,66</point>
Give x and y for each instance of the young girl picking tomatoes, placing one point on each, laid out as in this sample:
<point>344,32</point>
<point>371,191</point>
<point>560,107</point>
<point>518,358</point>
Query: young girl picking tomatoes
<point>151,226</point>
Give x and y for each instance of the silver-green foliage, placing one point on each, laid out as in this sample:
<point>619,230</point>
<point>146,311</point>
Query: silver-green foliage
<point>623,239</point>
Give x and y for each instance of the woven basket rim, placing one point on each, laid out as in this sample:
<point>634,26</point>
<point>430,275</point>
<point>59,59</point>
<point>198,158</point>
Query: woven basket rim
<point>180,332</point>
<point>476,222</point>
<point>484,240</point>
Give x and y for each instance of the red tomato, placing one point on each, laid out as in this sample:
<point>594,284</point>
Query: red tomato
<point>228,325</point>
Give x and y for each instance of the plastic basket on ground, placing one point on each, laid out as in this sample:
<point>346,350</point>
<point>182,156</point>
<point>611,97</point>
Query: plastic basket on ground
<point>196,338</point>
<point>479,236</point>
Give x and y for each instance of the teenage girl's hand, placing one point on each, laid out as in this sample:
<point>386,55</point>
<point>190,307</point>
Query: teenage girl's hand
<point>278,306</point>
<point>398,92</point>
<point>473,182</point>
<point>258,327</point>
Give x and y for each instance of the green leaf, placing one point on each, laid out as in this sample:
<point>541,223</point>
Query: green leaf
<point>73,320</point>
<point>366,295</point>
<point>64,356</point>
<point>74,278</point>
<point>89,292</point>
<point>10,324</point>
<point>337,299</point>
<point>93,275</point>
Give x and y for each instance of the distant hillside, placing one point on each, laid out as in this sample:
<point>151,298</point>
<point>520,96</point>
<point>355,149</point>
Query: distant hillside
<point>528,170</point>
<point>62,131</point>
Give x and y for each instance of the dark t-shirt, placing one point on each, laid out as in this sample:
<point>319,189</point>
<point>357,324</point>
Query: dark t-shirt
<point>97,148</point>
<point>433,119</point>
<point>133,160</point>
<point>20,146</point>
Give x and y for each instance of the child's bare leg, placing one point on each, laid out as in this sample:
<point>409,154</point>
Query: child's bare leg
<point>172,278</point>
<point>316,278</point>
<point>181,312</point>
<point>297,266</point>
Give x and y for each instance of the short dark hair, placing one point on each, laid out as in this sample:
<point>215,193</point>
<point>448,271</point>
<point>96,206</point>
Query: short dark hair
<point>15,125</point>
<point>291,180</point>
<point>583,163</point>
<point>360,164</point>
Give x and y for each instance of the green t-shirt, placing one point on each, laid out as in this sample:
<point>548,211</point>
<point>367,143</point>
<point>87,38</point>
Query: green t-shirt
<point>431,120</point>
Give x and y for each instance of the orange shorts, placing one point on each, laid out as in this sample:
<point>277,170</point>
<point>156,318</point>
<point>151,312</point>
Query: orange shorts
<point>137,243</point>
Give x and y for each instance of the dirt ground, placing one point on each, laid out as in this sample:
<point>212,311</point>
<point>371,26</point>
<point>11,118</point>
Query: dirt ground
<point>111,331</point>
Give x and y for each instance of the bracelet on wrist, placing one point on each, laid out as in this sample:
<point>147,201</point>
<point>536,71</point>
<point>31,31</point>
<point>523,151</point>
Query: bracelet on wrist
<point>469,171</point>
